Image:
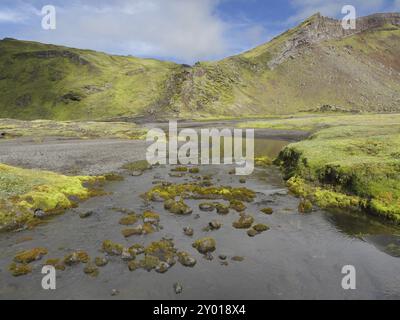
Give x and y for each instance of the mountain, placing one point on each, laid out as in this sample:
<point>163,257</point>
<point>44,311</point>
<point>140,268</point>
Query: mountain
<point>316,64</point>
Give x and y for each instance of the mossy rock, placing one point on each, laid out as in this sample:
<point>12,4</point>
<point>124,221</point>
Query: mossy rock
<point>267,211</point>
<point>180,169</point>
<point>244,222</point>
<point>238,206</point>
<point>128,254</point>
<point>305,206</point>
<point>151,217</point>
<point>91,269</point>
<point>129,220</point>
<point>133,265</point>
<point>101,261</point>
<point>137,167</point>
<point>252,233</point>
<point>263,162</point>
<point>205,245</point>
<point>207,207</point>
<point>76,257</point>
<point>28,256</point>
<point>222,209</point>
<point>198,192</point>
<point>56,263</point>
<point>162,267</point>
<point>18,270</point>
<point>137,231</point>
<point>111,248</point>
<point>137,248</point>
<point>149,262</point>
<point>261,227</point>
<point>164,250</point>
<point>148,228</point>
<point>178,207</point>
<point>186,259</point>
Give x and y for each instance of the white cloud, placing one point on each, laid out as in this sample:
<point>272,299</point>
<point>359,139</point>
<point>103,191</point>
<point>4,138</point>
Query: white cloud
<point>187,30</point>
<point>332,8</point>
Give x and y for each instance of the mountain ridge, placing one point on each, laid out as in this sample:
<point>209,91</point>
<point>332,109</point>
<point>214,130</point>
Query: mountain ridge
<point>314,64</point>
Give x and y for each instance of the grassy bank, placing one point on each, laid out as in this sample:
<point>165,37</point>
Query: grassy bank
<point>24,192</point>
<point>316,122</point>
<point>81,130</point>
<point>353,164</point>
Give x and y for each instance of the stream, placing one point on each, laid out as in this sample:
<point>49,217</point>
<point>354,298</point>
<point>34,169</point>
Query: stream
<point>300,257</point>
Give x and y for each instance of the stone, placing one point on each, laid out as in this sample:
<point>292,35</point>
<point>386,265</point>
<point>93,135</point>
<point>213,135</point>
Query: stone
<point>86,214</point>
<point>128,254</point>
<point>30,255</point>
<point>186,259</point>
<point>207,207</point>
<point>205,245</point>
<point>244,222</point>
<point>163,267</point>
<point>178,289</point>
<point>305,206</point>
<point>39,214</point>
<point>215,225</point>
<point>91,269</point>
<point>101,261</point>
<point>111,248</point>
<point>188,231</point>
<point>267,211</point>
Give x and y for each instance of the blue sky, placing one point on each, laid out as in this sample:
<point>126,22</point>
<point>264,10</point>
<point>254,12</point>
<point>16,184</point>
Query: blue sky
<point>180,30</point>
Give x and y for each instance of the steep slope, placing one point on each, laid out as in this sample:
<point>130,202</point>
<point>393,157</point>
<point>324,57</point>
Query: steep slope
<point>52,82</point>
<point>315,64</point>
<point>318,63</point>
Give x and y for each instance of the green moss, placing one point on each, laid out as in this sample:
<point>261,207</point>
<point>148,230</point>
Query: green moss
<point>127,233</point>
<point>261,227</point>
<point>91,269</point>
<point>56,263</point>
<point>18,270</point>
<point>23,191</point>
<point>137,166</point>
<point>111,248</point>
<point>353,167</point>
<point>238,206</point>
<point>30,255</point>
<point>198,192</point>
<point>305,206</point>
<point>101,261</point>
<point>76,258</point>
<point>129,220</point>
<point>262,162</point>
<point>177,207</point>
<point>151,217</point>
<point>205,245</point>
<point>267,211</point>
<point>244,222</point>
<point>164,250</point>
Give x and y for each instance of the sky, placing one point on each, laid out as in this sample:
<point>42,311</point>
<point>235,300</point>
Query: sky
<point>184,31</point>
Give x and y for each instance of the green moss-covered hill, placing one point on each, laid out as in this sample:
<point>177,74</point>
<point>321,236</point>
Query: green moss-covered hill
<point>310,66</point>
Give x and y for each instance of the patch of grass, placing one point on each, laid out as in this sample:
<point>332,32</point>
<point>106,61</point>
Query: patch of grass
<point>349,166</point>
<point>24,191</point>
<point>315,122</point>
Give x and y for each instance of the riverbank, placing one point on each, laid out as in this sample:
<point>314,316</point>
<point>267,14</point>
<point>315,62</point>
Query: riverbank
<point>350,162</point>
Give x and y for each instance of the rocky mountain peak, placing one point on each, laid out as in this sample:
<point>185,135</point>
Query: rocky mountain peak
<point>318,28</point>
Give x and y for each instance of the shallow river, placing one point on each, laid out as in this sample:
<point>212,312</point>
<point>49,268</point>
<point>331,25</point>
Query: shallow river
<point>300,257</point>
